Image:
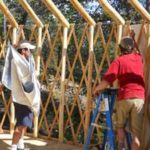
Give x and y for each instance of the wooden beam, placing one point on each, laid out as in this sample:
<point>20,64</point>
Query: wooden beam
<point>36,118</point>
<point>118,38</point>
<point>83,12</point>
<point>146,124</point>
<point>57,13</point>
<point>8,14</point>
<point>90,72</point>
<point>31,13</point>
<point>63,74</point>
<point>14,35</point>
<point>112,12</point>
<point>140,9</point>
<point>12,118</point>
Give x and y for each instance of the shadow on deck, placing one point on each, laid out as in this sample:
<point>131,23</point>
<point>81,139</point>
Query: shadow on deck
<point>36,144</point>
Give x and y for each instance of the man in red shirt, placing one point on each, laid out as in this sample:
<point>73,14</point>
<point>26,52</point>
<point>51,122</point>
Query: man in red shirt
<point>128,69</point>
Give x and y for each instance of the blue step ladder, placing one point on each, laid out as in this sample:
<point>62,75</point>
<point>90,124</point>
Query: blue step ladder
<point>108,101</point>
<point>108,143</point>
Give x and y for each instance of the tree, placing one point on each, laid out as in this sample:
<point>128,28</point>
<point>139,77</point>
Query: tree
<point>92,6</point>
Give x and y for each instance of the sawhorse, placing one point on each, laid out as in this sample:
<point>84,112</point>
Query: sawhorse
<point>109,138</point>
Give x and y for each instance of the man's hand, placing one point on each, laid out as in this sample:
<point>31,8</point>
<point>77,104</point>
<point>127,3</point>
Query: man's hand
<point>132,34</point>
<point>96,91</point>
<point>100,88</point>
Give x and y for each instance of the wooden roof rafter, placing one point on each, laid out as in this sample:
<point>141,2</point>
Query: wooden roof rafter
<point>31,13</point>
<point>8,14</point>
<point>112,12</point>
<point>140,9</point>
<point>83,12</point>
<point>57,13</point>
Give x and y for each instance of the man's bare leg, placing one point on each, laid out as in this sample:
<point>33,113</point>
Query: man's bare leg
<point>18,134</point>
<point>121,138</point>
<point>135,143</point>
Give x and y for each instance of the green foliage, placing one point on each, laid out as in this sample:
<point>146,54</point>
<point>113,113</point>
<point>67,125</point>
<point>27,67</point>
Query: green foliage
<point>1,19</point>
<point>92,6</point>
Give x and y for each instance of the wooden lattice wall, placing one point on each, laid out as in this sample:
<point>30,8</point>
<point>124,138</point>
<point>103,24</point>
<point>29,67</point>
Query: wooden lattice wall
<point>78,70</point>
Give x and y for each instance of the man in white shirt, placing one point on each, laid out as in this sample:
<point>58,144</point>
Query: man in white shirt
<point>25,90</point>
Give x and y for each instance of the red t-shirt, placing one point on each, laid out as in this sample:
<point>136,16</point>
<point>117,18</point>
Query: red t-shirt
<point>128,69</point>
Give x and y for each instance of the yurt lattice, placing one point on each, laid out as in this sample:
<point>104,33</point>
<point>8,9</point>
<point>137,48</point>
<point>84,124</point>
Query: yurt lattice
<point>68,80</point>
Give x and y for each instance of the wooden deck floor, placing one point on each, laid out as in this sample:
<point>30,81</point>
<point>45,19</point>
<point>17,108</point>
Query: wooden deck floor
<point>36,144</point>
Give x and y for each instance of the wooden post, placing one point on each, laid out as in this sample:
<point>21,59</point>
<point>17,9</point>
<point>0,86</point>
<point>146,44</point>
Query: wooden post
<point>51,6</point>
<point>145,137</point>
<point>39,45</point>
<point>90,72</point>
<point>36,118</point>
<point>14,40</point>
<point>12,118</point>
<point>62,100</point>
<point>140,9</point>
<point>118,40</point>
<point>83,12</point>
<point>119,36</point>
<point>8,14</point>
<point>12,108</point>
<point>112,12</point>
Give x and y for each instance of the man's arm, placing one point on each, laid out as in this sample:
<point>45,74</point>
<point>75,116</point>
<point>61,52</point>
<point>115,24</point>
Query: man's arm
<point>100,87</point>
<point>109,77</point>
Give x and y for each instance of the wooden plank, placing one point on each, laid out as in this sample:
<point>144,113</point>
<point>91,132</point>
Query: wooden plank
<point>14,39</point>
<point>31,13</point>
<point>63,73</point>
<point>8,14</point>
<point>140,9</point>
<point>112,12</point>
<point>83,12</point>
<point>12,118</point>
<point>90,72</point>
<point>12,108</point>
<point>146,123</point>
<point>51,7</point>
<point>36,118</point>
<point>39,45</point>
<point>118,38</point>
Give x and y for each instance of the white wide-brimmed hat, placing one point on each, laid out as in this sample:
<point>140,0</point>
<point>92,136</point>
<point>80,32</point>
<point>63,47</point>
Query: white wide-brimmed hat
<point>26,44</point>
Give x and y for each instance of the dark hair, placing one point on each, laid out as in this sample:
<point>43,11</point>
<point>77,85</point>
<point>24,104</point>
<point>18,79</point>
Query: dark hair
<point>126,45</point>
<point>125,50</point>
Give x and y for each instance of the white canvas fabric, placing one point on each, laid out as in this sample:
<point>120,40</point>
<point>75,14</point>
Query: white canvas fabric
<point>19,76</point>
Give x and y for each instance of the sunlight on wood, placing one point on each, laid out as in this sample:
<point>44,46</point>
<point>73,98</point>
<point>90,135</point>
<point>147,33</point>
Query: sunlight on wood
<point>7,138</point>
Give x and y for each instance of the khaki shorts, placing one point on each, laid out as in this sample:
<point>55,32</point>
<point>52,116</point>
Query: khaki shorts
<point>130,110</point>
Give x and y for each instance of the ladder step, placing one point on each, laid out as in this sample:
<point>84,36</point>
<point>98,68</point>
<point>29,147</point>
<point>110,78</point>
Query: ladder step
<point>100,126</point>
